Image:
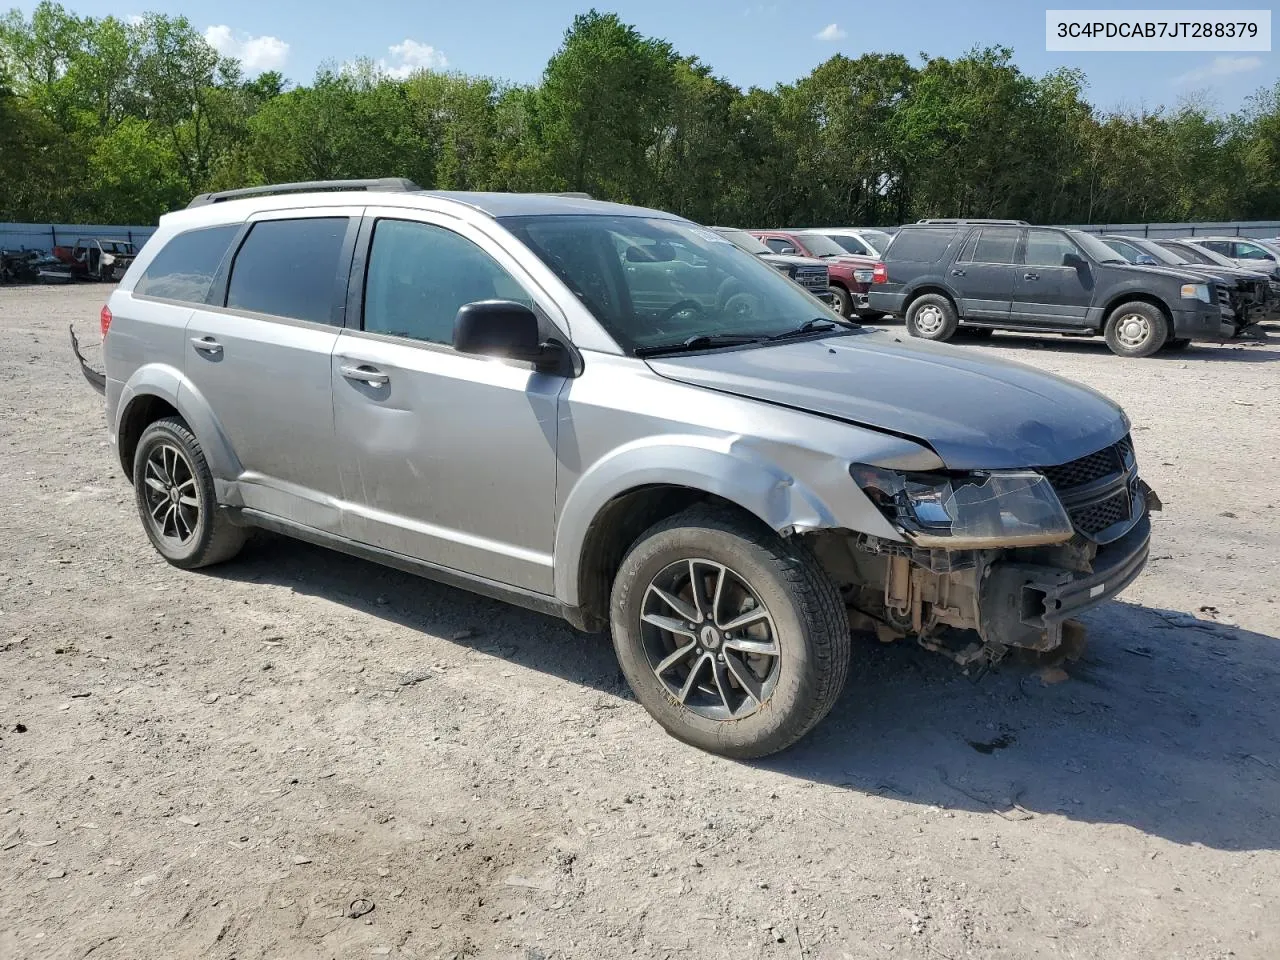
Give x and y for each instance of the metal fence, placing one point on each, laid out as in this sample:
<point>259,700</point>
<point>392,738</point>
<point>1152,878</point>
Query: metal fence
<point>46,236</point>
<point>1265,229</point>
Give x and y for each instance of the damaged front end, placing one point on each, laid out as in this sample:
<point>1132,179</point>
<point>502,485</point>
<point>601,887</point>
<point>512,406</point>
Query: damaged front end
<point>1010,555</point>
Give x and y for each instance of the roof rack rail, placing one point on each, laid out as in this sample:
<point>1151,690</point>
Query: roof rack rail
<point>575,194</point>
<point>387,184</point>
<point>939,221</point>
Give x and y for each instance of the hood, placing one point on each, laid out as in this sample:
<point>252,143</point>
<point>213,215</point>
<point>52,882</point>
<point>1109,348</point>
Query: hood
<point>1221,274</point>
<point>791,259</point>
<point>973,411</point>
<point>1177,273</point>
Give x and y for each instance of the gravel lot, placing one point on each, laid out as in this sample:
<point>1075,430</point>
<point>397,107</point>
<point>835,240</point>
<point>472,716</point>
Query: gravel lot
<point>301,755</point>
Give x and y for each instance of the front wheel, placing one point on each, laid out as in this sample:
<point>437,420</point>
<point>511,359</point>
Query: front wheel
<point>734,639</point>
<point>1136,329</point>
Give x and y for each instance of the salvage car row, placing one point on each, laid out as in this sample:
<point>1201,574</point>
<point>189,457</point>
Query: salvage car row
<point>1143,296</point>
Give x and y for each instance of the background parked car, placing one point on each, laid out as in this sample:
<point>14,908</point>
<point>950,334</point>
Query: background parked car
<point>1001,276</point>
<point>850,275</point>
<point>1244,292</point>
<point>1242,252</point>
<point>862,241</point>
<point>809,272</point>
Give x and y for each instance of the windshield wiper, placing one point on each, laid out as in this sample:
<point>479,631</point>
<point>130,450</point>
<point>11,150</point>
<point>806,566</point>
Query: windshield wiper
<point>816,325</point>
<point>703,341</point>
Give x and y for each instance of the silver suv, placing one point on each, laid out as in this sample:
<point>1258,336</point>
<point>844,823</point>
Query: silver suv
<point>616,416</point>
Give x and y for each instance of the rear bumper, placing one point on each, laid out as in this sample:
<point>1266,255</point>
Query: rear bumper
<point>882,301</point>
<point>96,380</point>
<point>1026,605</point>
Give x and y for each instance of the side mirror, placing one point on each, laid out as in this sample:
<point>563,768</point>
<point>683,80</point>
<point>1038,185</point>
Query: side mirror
<point>501,328</point>
<point>1146,260</point>
<point>787,250</point>
<point>1074,261</point>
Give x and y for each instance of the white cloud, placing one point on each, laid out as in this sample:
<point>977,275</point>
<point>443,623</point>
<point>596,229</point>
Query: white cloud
<point>411,56</point>
<point>254,53</point>
<point>1220,67</point>
<point>831,31</point>
<point>134,19</point>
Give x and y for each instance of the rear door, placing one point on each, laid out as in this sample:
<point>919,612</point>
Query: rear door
<point>984,273</point>
<point>260,356</point>
<point>1046,291</point>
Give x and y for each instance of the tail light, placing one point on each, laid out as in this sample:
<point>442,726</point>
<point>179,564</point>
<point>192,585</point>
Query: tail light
<point>880,274</point>
<point>104,319</point>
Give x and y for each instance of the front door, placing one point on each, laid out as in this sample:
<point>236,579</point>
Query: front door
<point>260,358</point>
<point>445,457</point>
<point>984,274</point>
<point>1048,292</point>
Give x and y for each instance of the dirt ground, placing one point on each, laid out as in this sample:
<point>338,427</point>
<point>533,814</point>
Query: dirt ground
<point>301,755</point>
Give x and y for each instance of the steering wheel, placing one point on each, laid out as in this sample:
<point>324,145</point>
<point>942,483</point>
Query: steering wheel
<point>679,307</point>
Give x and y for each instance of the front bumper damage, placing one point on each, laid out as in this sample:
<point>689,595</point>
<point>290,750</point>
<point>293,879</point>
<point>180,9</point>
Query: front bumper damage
<point>1010,598</point>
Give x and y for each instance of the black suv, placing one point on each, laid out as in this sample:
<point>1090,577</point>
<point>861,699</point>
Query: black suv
<point>1010,276</point>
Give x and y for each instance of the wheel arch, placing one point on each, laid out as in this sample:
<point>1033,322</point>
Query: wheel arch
<point>624,495</point>
<point>156,391</point>
<point>1120,299</point>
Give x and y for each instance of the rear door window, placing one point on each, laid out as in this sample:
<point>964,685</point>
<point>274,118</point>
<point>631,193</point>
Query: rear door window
<point>995,245</point>
<point>290,268</point>
<point>921,245</point>
<point>185,267</point>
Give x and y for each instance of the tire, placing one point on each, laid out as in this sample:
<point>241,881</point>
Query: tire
<point>842,302</point>
<point>1136,329</point>
<point>719,696</point>
<point>1180,343</point>
<point>186,527</point>
<point>932,317</point>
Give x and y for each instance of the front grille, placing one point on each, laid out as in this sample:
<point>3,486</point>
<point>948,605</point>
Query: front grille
<point>1085,470</point>
<point>1222,294</point>
<point>1088,489</point>
<point>1096,517</point>
<point>814,278</point>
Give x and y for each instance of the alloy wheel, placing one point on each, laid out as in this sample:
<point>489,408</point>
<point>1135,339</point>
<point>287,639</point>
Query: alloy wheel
<point>709,638</point>
<point>172,498</point>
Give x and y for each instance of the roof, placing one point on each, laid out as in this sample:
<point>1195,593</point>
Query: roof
<point>545,204</point>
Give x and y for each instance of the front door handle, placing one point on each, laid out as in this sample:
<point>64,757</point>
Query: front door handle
<point>957,273</point>
<point>207,345</point>
<point>1031,276</point>
<point>364,373</point>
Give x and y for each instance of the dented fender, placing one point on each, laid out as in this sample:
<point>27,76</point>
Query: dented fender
<point>746,471</point>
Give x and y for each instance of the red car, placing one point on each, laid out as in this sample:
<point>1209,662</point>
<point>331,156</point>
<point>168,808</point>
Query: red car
<point>850,275</point>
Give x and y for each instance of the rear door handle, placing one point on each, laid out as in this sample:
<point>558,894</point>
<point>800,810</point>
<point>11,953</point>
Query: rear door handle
<point>207,345</point>
<point>957,273</point>
<point>1031,276</point>
<point>364,373</point>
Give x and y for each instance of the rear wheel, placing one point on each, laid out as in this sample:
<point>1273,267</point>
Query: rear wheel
<point>841,301</point>
<point>932,317</point>
<point>1136,329</point>
<point>734,639</point>
<point>176,501</point>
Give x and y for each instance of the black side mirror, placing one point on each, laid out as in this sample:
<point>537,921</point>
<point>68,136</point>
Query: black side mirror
<point>1074,261</point>
<point>501,328</point>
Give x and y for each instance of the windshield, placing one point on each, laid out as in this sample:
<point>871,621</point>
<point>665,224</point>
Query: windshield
<point>1160,253</point>
<point>821,245</point>
<point>744,241</point>
<point>1205,255</point>
<point>1095,248</point>
<point>652,281</point>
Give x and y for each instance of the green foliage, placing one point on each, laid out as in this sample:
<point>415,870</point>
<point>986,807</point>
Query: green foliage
<point>106,120</point>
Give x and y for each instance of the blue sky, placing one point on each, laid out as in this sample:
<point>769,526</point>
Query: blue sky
<point>749,42</point>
